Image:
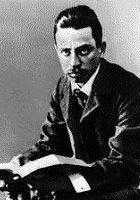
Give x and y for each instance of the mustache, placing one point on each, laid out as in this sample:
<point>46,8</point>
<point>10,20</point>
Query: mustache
<point>76,71</point>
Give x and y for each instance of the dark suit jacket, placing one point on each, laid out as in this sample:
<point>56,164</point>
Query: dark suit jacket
<point>109,129</point>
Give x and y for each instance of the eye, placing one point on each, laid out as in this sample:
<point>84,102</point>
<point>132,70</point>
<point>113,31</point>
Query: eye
<point>85,50</point>
<point>66,52</point>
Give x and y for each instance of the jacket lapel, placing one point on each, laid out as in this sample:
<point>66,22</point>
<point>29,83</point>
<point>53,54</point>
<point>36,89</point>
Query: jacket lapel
<point>66,105</point>
<point>65,102</point>
<point>92,104</point>
<point>101,87</point>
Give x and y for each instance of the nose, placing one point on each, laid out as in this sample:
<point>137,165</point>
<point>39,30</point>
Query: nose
<point>75,61</point>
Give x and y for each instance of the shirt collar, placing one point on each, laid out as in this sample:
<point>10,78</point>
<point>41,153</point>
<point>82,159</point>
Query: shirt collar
<point>88,85</point>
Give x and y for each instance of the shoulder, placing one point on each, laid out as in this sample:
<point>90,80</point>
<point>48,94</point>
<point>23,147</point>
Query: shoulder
<point>61,86</point>
<point>62,83</point>
<point>121,79</point>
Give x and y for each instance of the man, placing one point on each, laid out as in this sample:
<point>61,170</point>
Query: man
<point>104,127</point>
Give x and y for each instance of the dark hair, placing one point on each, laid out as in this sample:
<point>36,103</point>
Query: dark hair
<point>79,17</point>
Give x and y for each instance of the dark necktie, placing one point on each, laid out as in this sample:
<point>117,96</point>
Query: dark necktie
<point>81,97</point>
<point>79,101</point>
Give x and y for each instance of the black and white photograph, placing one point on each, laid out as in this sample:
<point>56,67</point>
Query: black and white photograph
<point>69,100</point>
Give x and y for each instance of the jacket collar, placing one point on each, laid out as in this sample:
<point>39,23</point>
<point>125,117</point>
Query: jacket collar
<point>103,83</point>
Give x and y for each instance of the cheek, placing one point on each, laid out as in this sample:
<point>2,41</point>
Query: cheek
<point>64,65</point>
<point>94,58</point>
<point>89,60</point>
<point>94,55</point>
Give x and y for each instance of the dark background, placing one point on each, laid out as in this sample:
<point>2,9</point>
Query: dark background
<point>29,67</point>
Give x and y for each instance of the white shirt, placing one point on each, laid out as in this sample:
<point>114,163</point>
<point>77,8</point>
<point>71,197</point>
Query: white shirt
<point>88,85</point>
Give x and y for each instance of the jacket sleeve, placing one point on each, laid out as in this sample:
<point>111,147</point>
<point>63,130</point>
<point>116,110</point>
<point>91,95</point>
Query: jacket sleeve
<point>54,138</point>
<point>122,168</point>
<point>126,142</point>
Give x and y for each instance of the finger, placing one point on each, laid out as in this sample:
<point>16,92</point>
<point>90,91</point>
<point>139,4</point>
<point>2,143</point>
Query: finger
<point>7,195</point>
<point>16,163</point>
<point>16,158</point>
<point>2,183</point>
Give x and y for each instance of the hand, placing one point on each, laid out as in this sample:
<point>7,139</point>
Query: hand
<point>8,196</point>
<point>18,161</point>
<point>6,190</point>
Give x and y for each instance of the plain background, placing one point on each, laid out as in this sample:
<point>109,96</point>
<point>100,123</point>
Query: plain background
<point>29,66</point>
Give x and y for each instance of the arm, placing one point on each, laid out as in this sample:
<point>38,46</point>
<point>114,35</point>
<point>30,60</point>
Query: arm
<point>121,168</point>
<point>54,137</point>
<point>126,142</point>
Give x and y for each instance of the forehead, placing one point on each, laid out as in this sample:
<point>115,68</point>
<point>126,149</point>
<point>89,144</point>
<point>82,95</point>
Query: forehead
<point>67,37</point>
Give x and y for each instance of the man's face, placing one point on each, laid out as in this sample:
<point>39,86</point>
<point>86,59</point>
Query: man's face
<point>77,53</point>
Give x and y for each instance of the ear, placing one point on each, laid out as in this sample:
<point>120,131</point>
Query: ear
<point>56,48</point>
<point>103,47</point>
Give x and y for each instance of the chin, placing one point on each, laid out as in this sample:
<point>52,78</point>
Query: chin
<point>79,80</point>
<point>74,80</point>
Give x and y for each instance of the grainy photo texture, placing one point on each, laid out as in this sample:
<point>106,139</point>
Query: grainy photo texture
<point>69,99</point>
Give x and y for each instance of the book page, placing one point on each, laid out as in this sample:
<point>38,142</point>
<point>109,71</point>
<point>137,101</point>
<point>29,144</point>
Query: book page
<point>41,163</point>
<point>6,166</point>
<point>48,161</point>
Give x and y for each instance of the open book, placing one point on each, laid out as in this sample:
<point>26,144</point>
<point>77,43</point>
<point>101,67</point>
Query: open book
<point>44,162</point>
